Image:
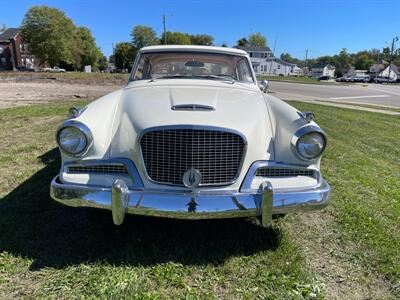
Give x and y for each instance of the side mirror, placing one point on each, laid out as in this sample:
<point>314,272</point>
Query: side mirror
<point>264,85</point>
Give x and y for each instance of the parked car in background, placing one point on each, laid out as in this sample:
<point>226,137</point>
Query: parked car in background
<point>54,70</point>
<point>191,136</point>
<point>343,79</point>
<point>324,78</point>
<point>25,69</point>
<point>385,79</point>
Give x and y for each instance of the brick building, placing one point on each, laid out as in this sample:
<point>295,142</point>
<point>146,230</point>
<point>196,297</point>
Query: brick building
<point>14,53</point>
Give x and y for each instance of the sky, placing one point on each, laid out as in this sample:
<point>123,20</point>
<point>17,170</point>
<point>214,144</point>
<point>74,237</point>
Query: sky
<point>323,27</point>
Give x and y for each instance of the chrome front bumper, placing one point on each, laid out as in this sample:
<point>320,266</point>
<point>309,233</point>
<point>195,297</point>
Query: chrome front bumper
<point>263,202</point>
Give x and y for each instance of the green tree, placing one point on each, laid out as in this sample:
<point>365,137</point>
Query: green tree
<point>49,34</point>
<point>143,36</point>
<point>290,59</point>
<point>89,52</point>
<point>176,38</point>
<point>257,40</point>
<point>124,55</point>
<point>224,45</point>
<point>201,39</point>
<point>3,28</point>
<point>242,42</point>
<point>102,63</point>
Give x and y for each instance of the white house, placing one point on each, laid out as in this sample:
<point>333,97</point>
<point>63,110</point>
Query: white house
<point>323,70</point>
<point>264,63</point>
<point>394,72</point>
<point>356,73</point>
<point>258,55</point>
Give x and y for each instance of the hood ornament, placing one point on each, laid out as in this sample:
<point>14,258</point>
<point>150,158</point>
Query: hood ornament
<point>191,178</point>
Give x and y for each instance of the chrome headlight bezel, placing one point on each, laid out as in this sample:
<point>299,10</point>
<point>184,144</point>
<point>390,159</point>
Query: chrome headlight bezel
<point>83,129</point>
<point>302,132</point>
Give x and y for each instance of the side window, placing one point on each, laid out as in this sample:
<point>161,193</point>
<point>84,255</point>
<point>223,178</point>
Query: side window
<point>142,70</point>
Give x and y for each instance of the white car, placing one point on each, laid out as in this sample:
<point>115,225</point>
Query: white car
<point>54,70</point>
<point>191,135</point>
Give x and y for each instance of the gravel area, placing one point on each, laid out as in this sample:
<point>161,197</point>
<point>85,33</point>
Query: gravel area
<point>17,93</point>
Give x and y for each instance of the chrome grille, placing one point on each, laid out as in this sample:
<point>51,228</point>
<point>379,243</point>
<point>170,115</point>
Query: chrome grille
<point>99,169</point>
<point>169,153</point>
<point>284,172</point>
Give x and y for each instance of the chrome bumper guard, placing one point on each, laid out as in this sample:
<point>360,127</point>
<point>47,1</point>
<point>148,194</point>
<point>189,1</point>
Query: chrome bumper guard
<point>263,202</point>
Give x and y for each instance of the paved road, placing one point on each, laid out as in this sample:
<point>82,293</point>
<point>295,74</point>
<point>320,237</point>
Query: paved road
<point>378,94</point>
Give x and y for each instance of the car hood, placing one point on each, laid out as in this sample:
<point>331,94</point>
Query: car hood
<point>232,106</point>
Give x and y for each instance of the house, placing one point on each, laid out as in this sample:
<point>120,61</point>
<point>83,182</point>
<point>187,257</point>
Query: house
<point>394,72</point>
<point>356,73</point>
<point>264,62</point>
<point>278,67</point>
<point>257,56</point>
<point>325,70</point>
<point>14,53</point>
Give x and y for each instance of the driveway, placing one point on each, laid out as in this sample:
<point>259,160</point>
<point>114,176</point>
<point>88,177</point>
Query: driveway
<point>375,94</point>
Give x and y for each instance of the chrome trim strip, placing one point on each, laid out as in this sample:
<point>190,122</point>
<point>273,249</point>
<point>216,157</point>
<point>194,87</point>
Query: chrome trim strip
<point>133,172</point>
<point>251,173</point>
<point>200,127</point>
<point>81,127</point>
<point>192,107</point>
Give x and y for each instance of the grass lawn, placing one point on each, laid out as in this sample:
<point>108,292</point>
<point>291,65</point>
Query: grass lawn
<point>301,79</point>
<point>350,249</point>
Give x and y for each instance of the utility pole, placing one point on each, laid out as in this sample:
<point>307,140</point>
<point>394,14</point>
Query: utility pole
<point>395,39</point>
<point>377,67</point>
<point>165,32</point>
<point>305,63</point>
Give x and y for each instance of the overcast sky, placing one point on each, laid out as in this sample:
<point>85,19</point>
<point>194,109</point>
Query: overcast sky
<point>323,27</point>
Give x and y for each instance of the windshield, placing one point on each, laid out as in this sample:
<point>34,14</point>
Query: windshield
<point>202,65</point>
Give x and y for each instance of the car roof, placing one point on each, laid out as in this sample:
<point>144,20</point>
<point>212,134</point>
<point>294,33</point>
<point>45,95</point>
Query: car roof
<point>211,49</point>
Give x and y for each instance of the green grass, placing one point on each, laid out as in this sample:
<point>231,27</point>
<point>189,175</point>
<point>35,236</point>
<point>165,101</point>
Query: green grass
<point>300,79</point>
<point>51,251</point>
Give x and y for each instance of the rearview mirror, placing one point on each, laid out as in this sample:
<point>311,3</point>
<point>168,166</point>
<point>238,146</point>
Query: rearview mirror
<point>264,85</point>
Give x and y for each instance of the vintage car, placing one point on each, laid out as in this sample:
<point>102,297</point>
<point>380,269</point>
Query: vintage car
<point>191,135</point>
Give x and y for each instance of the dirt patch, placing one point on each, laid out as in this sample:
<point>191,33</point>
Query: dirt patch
<point>331,260</point>
<point>17,93</point>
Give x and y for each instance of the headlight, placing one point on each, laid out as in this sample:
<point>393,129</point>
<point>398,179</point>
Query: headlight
<point>74,138</point>
<point>309,142</point>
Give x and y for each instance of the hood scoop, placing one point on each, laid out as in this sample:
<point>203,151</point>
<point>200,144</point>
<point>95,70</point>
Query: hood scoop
<point>193,107</point>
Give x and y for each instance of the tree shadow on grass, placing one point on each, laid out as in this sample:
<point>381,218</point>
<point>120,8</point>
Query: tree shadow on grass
<point>32,225</point>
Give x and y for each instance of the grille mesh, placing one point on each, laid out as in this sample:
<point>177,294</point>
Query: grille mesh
<point>283,172</point>
<point>99,169</point>
<point>169,153</point>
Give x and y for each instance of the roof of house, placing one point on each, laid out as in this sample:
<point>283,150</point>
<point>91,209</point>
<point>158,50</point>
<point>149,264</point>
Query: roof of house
<point>321,66</point>
<point>255,49</point>
<point>393,69</point>
<point>167,48</point>
<point>279,61</point>
<point>10,33</point>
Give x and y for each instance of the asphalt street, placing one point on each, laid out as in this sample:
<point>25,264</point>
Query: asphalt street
<point>376,94</point>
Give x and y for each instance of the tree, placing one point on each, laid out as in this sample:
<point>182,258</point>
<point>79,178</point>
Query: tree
<point>102,63</point>
<point>143,36</point>
<point>257,40</point>
<point>224,45</point>
<point>49,34</point>
<point>288,58</point>
<point>3,28</point>
<point>124,55</point>
<point>89,52</point>
<point>242,42</point>
<point>201,39</point>
<point>176,38</point>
